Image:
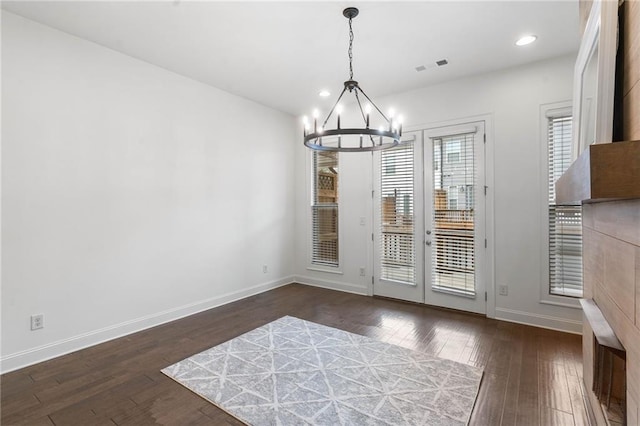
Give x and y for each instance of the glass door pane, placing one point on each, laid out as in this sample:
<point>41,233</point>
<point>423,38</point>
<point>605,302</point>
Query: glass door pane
<point>397,248</point>
<point>453,225</point>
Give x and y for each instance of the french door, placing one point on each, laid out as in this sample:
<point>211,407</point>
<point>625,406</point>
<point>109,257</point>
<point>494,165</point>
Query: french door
<point>429,211</point>
<point>397,236</point>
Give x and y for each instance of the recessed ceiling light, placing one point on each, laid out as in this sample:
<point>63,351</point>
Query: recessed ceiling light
<point>528,39</point>
<point>324,94</point>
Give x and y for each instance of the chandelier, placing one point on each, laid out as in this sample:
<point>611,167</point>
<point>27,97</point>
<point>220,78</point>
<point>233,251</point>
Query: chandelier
<point>366,138</point>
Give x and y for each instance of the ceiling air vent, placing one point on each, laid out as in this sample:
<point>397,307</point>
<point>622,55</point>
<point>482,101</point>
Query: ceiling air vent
<point>439,63</point>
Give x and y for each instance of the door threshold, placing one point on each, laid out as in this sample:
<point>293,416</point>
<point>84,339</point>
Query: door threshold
<point>426,305</point>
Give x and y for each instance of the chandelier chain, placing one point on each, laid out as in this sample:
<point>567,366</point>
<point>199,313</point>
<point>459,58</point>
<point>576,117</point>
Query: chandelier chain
<point>350,50</point>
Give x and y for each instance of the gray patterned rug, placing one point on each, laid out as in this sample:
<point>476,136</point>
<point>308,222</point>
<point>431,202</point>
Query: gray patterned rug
<point>295,372</point>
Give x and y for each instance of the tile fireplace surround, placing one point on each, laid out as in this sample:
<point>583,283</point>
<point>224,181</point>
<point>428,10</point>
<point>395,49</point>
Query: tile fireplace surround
<point>611,255</point>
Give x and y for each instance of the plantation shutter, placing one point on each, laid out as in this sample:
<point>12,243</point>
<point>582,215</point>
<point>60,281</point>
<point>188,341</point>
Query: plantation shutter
<point>565,222</point>
<point>454,203</point>
<point>397,248</point>
<point>324,209</point>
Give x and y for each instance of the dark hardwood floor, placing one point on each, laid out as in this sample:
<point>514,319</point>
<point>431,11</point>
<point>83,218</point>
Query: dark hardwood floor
<point>532,376</point>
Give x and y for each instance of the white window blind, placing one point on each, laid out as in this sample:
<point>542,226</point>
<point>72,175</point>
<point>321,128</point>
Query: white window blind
<point>324,209</point>
<point>565,222</point>
<point>397,249</point>
<point>453,227</point>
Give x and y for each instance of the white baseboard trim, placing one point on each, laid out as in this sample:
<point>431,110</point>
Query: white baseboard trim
<point>42,353</point>
<point>38,354</point>
<point>331,285</point>
<point>538,320</point>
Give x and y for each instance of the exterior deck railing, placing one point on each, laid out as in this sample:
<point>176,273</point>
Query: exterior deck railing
<point>452,240</point>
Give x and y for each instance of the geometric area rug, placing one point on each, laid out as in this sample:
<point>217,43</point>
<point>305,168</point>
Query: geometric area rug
<point>296,372</point>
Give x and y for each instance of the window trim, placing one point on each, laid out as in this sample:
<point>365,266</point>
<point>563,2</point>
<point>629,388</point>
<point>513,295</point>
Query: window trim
<point>309,222</point>
<point>547,111</point>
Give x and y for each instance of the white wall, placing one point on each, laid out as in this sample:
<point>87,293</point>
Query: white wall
<point>513,99</point>
<point>131,195</point>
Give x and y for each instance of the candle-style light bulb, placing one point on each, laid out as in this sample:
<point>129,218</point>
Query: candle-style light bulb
<point>381,129</point>
<point>316,113</point>
<point>338,112</point>
<point>305,122</point>
<point>367,110</point>
<point>400,120</point>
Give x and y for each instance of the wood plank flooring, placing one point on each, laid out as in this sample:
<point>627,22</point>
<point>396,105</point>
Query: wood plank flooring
<point>532,376</point>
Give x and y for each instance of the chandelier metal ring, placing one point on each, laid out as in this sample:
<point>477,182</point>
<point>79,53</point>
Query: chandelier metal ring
<point>370,133</point>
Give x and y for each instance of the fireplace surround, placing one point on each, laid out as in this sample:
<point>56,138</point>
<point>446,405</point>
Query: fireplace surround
<point>606,179</point>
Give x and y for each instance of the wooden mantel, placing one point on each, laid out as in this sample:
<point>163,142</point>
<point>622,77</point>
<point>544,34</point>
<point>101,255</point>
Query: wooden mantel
<point>603,172</point>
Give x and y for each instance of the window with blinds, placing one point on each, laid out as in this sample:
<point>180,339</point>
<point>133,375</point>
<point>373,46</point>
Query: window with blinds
<point>397,249</point>
<point>453,227</point>
<point>324,209</point>
<point>565,222</point>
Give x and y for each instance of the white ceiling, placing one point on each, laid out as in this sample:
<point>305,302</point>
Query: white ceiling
<point>281,54</point>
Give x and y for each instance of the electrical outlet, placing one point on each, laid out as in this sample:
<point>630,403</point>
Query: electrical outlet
<point>363,221</point>
<point>265,269</point>
<point>37,321</point>
<point>503,290</point>
<point>362,271</point>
